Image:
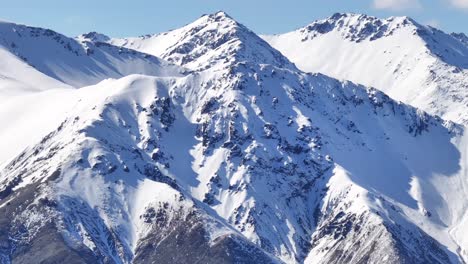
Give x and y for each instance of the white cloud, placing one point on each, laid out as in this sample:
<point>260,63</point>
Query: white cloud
<point>460,3</point>
<point>400,4</point>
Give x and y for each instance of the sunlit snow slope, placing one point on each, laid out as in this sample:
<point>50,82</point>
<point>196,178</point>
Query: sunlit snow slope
<point>69,61</point>
<point>416,64</point>
<point>36,61</point>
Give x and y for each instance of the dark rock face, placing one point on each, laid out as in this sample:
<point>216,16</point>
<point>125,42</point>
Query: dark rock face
<point>46,245</point>
<point>186,240</point>
<point>362,239</point>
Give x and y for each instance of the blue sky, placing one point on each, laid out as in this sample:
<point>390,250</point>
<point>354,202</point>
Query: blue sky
<point>121,18</point>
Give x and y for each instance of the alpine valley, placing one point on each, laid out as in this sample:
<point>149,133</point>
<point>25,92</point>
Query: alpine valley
<point>211,144</point>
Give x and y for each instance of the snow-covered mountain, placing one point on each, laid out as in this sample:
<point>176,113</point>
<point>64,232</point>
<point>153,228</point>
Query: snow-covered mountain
<point>462,37</point>
<point>36,60</point>
<point>207,41</point>
<point>39,58</point>
<point>239,157</point>
<point>416,64</point>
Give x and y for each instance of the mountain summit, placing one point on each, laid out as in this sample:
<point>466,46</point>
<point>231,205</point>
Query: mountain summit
<point>416,64</point>
<point>211,39</point>
<point>357,27</point>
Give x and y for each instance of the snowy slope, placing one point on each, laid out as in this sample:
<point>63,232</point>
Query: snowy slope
<point>17,77</point>
<point>37,61</point>
<point>125,198</point>
<point>416,64</point>
<point>242,159</point>
<point>67,60</point>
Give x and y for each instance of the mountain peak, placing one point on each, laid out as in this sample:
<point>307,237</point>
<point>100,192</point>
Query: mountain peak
<point>220,38</point>
<point>93,37</point>
<point>358,27</point>
<point>461,37</point>
<point>220,15</point>
<point>212,40</point>
<point>354,18</point>
<point>414,63</point>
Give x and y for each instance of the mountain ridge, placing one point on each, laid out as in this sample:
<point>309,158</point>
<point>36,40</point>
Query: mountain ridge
<point>72,62</point>
<point>416,64</point>
<point>218,27</point>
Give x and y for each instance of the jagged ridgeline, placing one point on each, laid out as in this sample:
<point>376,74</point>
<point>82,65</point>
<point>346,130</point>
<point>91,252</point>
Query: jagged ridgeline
<point>419,65</point>
<point>226,153</point>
